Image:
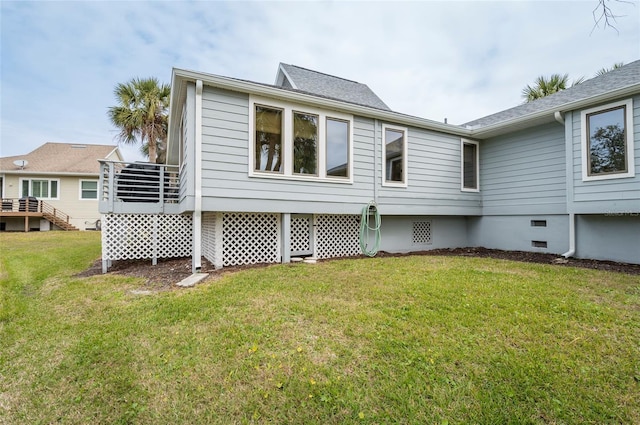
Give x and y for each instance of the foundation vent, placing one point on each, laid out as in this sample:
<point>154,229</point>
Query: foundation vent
<point>422,233</point>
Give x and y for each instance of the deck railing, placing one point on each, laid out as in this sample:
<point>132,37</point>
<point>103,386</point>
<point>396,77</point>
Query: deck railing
<point>137,186</point>
<point>25,206</point>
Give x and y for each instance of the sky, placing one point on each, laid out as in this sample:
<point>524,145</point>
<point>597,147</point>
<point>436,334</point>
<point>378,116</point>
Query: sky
<point>459,60</point>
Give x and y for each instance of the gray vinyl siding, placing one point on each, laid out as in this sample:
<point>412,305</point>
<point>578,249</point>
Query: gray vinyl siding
<point>227,186</point>
<point>604,196</point>
<point>434,178</point>
<point>434,170</point>
<point>524,172</point>
<point>187,182</point>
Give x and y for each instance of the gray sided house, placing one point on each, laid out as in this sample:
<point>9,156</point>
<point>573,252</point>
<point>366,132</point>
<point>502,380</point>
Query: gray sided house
<point>260,173</point>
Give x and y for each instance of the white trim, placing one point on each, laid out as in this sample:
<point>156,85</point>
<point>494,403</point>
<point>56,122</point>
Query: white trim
<point>477,160</point>
<point>288,109</point>
<point>196,262</point>
<point>629,147</point>
<point>80,190</point>
<point>405,156</point>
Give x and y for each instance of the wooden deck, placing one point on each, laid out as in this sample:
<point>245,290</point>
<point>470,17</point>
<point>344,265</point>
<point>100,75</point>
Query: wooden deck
<point>31,207</point>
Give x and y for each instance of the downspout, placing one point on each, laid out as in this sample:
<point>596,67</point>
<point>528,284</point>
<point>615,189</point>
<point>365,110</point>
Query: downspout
<point>572,217</point>
<point>375,161</point>
<point>196,262</point>
<point>572,236</point>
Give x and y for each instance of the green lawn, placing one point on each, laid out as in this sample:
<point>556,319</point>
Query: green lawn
<point>424,340</point>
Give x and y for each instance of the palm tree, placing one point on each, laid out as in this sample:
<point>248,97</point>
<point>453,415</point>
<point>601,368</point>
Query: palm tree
<point>546,86</point>
<point>142,114</point>
<point>605,70</point>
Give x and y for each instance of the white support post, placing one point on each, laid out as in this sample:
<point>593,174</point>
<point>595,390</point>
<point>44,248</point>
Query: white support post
<point>286,237</point>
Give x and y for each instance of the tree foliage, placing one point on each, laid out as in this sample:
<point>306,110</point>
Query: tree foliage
<point>607,150</point>
<point>544,86</point>
<point>141,115</point>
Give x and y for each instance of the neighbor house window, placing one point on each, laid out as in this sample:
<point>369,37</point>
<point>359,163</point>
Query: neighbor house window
<point>268,141</point>
<point>88,189</point>
<point>44,189</point>
<point>337,148</point>
<point>305,143</point>
<point>607,141</point>
<point>299,142</point>
<point>395,155</point>
<point>470,166</point>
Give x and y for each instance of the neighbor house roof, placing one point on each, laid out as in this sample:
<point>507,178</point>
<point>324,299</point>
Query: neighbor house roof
<point>627,76</point>
<point>63,158</point>
<point>325,85</point>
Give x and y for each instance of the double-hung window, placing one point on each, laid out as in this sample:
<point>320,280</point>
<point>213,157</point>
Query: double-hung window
<point>298,142</point>
<point>39,188</point>
<point>607,141</point>
<point>394,154</point>
<point>88,189</point>
<point>470,166</point>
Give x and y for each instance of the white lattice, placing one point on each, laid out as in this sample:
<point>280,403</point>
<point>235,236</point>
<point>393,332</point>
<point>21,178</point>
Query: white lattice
<point>146,236</point>
<point>422,233</point>
<point>337,236</point>
<point>300,240</point>
<point>250,238</point>
<point>209,236</point>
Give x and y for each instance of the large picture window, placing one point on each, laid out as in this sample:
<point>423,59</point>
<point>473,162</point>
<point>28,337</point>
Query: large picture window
<point>42,189</point>
<point>470,175</point>
<point>395,155</point>
<point>297,142</point>
<point>607,141</point>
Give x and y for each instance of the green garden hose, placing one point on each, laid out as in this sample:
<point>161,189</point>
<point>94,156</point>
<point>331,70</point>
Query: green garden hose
<point>366,229</point>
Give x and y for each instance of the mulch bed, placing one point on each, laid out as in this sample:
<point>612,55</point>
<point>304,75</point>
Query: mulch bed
<point>171,271</point>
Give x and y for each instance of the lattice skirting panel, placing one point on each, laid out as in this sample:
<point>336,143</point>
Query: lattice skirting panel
<point>250,238</point>
<point>146,236</point>
<point>337,236</point>
<point>209,221</point>
<point>300,240</point>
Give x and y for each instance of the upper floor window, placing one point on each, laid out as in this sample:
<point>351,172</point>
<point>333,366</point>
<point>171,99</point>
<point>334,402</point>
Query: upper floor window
<point>39,188</point>
<point>298,142</point>
<point>88,189</point>
<point>607,141</point>
<point>395,155</point>
<point>337,148</point>
<point>268,141</point>
<point>305,143</point>
<point>470,166</point>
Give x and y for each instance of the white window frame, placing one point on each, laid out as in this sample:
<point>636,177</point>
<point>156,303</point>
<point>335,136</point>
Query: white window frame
<point>288,109</point>
<point>477,160</point>
<point>405,156</point>
<point>21,180</point>
<point>629,148</point>
<point>80,189</point>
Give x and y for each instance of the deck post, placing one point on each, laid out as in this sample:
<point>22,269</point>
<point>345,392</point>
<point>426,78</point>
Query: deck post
<point>286,237</point>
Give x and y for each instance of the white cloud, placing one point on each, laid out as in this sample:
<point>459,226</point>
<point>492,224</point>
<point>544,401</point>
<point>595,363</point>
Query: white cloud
<point>460,60</point>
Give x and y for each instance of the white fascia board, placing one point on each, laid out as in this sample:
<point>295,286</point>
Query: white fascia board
<point>48,173</point>
<point>181,76</point>
<point>286,75</point>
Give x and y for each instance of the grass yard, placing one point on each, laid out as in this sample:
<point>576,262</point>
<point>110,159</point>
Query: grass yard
<point>415,340</point>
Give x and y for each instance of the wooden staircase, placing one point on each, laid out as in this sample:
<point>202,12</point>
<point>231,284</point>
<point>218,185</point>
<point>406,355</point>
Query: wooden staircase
<point>64,225</point>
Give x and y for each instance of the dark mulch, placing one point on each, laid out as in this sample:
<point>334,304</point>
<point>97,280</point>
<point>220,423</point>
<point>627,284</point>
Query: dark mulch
<point>171,271</point>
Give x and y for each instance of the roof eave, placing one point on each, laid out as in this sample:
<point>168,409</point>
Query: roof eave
<point>547,115</point>
<point>180,77</point>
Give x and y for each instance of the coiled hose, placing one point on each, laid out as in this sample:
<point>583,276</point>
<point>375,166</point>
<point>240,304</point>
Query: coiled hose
<point>366,229</point>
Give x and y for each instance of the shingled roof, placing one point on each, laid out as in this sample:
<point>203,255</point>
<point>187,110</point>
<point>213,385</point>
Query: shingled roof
<point>625,76</point>
<point>67,158</point>
<point>325,85</point>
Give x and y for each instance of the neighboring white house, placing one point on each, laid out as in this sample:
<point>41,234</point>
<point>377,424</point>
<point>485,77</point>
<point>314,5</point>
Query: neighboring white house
<point>262,173</point>
<point>63,179</point>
